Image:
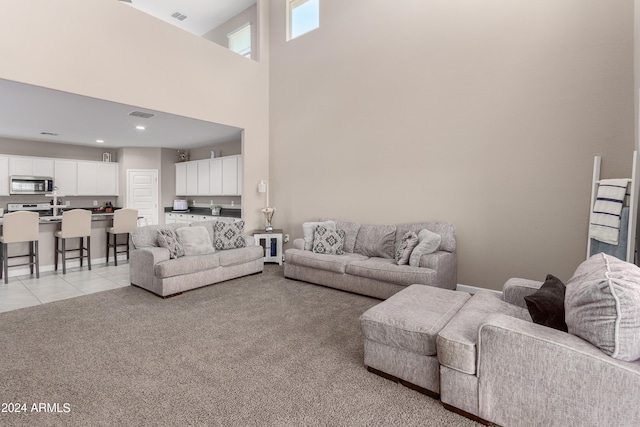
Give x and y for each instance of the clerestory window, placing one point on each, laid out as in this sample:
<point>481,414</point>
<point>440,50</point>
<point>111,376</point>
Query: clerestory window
<point>302,16</point>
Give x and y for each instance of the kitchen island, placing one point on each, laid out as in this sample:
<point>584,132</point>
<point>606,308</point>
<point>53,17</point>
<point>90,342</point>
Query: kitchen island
<point>46,243</point>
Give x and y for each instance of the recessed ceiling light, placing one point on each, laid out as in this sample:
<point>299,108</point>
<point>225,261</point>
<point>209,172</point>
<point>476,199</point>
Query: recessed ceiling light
<point>100,141</point>
<point>140,127</point>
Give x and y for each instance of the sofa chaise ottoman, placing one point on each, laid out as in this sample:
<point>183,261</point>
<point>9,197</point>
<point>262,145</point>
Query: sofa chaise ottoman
<point>215,251</point>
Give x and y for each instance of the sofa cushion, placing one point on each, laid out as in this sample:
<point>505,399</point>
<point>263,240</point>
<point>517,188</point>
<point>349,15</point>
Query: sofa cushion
<point>238,256</point>
<point>386,270</point>
<point>309,231</point>
<point>376,241</point>
<point>334,263</point>
<point>546,305</point>
<point>195,240</point>
<point>408,243</point>
<point>186,265</point>
<point>228,235</point>
<point>351,232</point>
<point>602,306</point>
<point>411,319</point>
<point>147,236</point>
<point>167,239</point>
<point>428,242</point>
<point>457,341</point>
<point>446,230</point>
<point>328,241</point>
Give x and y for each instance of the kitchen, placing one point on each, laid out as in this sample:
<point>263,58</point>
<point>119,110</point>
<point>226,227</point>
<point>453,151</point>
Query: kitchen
<point>82,177</point>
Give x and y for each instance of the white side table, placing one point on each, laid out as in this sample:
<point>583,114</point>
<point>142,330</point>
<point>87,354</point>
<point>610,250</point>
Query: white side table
<point>271,241</point>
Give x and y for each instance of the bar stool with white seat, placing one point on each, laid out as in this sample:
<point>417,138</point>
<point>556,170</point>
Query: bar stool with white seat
<point>76,223</point>
<point>124,220</point>
<point>20,226</point>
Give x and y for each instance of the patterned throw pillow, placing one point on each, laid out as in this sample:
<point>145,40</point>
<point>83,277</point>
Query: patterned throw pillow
<point>228,235</point>
<point>403,252</point>
<point>328,241</point>
<point>167,239</point>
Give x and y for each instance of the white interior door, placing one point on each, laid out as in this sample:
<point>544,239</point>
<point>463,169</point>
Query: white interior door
<point>142,193</point>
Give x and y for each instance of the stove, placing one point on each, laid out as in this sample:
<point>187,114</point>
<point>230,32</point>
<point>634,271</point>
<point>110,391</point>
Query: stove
<point>42,208</point>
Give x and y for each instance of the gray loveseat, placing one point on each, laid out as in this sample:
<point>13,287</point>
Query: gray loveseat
<point>151,266</point>
<point>367,266</point>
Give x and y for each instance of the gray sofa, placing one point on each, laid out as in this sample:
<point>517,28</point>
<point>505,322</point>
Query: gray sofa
<point>152,268</point>
<point>578,364</point>
<point>367,266</point>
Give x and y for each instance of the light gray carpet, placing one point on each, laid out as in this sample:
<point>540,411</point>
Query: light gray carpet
<point>260,350</point>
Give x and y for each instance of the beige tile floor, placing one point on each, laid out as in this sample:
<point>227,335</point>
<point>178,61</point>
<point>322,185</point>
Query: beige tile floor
<point>27,291</point>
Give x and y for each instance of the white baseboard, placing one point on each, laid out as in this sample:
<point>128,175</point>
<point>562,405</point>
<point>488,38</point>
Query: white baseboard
<point>473,289</point>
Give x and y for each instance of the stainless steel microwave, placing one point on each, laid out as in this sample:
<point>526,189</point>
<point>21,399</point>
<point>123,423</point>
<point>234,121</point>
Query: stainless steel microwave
<point>20,184</point>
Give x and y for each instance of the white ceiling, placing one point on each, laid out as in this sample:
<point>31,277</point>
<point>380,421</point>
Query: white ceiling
<point>202,15</point>
<point>26,111</point>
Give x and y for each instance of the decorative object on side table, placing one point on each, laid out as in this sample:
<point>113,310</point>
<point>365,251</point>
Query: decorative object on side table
<point>263,187</point>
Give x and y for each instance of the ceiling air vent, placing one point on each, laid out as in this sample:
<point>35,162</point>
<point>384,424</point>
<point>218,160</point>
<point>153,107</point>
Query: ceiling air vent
<point>48,133</point>
<point>141,114</point>
<point>179,16</point>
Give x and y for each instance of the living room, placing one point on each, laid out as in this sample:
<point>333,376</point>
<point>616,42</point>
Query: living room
<point>483,114</point>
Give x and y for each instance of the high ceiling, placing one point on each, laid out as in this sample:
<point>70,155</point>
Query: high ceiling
<point>34,113</point>
<point>201,16</point>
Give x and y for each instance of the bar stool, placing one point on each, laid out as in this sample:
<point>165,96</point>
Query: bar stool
<point>124,220</point>
<point>21,226</point>
<point>76,223</point>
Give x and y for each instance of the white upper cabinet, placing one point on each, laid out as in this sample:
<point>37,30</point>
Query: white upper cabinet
<point>214,177</point>
<point>192,178</point>
<point>230,176</point>
<point>31,166</point>
<point>66,177</point>
<point>181,179</point>
<point>97,179</point>
<point>203,177</point>
<point>107,179</point>
<point>4,176</point>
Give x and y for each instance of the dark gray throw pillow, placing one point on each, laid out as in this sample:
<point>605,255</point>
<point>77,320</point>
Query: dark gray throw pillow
<point>546,305</point>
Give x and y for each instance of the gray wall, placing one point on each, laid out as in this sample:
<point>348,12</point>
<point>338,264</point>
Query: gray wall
<point>219,34</point>
<point>484,114</point>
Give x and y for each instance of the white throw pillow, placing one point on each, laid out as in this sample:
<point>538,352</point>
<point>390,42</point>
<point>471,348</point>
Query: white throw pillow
<point>195,240</point>
<point>429,242</point>
<point>309,230</point>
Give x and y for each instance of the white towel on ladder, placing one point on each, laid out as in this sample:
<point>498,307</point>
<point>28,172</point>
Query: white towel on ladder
<point>605,218</point>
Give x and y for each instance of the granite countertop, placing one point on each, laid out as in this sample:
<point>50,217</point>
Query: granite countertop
<point>228,212</point>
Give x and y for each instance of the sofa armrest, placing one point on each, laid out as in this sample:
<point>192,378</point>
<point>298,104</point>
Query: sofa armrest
<point>151,255</point>
<point>515,289</point>
<point>445,265</point>
<point>142,265</point>
<point>530,375</point>
<point>298,244</point>
<point>249,240</point>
